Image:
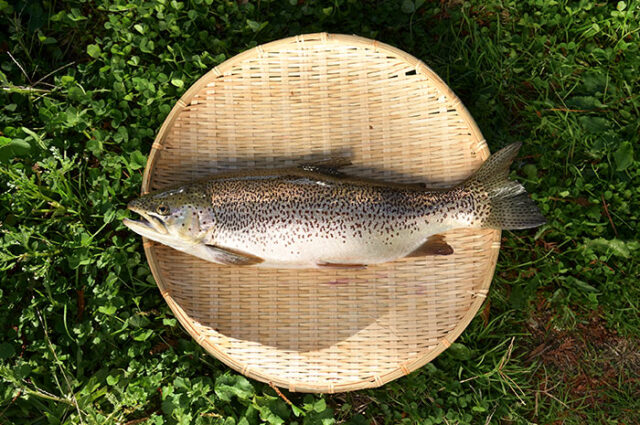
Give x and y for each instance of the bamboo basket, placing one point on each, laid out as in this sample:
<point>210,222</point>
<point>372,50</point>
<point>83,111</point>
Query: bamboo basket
<point>307,98</point>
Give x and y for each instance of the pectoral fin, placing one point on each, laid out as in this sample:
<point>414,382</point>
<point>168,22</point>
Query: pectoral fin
<point>231,257</point>
<point>434,245</point>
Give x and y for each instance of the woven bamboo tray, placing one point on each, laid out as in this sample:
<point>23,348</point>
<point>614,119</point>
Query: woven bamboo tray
<point>308,98</point>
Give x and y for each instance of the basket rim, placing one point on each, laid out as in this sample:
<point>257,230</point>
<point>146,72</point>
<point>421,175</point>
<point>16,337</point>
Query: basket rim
<point>423,357</point>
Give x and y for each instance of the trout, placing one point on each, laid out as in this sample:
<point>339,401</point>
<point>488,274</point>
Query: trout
<point>316,216</point>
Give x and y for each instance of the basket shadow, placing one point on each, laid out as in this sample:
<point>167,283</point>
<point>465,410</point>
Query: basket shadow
<point>305,311</point>
<point>301,310</point>
<point>193,168</point>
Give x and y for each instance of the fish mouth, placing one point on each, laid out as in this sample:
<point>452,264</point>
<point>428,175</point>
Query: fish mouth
<point>146,225</point>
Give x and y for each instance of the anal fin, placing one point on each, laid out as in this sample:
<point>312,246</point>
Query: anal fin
<point>232,258</point>
<point>434,245</point>
<point>341,266</point>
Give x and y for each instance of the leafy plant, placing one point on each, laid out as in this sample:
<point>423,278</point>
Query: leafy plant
<point>85,338</point>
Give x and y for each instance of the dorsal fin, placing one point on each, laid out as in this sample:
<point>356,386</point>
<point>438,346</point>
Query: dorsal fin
<point>329,166</point>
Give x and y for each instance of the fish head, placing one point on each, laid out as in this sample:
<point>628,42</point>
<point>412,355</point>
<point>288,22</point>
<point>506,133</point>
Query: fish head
<point>175,217</point>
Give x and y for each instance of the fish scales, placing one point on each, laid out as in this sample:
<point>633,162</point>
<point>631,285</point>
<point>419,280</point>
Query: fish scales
<point>281,218</point>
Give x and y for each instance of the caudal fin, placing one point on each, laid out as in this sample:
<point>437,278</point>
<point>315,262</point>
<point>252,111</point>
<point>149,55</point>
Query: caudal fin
<point>509,205</point>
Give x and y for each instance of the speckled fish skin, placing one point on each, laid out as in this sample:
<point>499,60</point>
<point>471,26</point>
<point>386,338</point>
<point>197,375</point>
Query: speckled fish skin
<point>317,217</point>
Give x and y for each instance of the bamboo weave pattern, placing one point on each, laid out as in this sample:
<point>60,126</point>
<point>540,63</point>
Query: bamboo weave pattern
<point>302,99</point>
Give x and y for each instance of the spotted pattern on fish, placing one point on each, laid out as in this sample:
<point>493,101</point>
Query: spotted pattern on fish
<point>292,215</point>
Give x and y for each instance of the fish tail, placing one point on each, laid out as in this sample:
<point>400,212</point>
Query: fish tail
<point>504,204</point>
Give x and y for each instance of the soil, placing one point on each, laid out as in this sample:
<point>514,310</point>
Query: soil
<point>591,359</point>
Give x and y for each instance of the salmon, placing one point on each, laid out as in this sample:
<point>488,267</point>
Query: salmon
<point>314,215</point>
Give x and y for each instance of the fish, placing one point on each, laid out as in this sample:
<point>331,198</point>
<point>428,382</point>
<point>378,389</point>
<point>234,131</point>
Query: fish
<point>316,216</point>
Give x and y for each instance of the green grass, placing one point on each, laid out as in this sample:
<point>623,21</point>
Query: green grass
<point>85,335</point>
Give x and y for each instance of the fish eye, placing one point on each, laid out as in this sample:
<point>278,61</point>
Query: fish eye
<point>163,209</point>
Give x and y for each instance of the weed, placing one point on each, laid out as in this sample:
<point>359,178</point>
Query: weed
<point>86,338</point>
